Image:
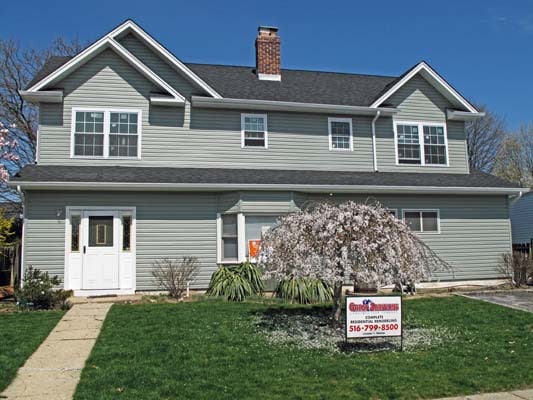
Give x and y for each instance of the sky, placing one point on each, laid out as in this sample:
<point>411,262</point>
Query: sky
<point>484,48</point>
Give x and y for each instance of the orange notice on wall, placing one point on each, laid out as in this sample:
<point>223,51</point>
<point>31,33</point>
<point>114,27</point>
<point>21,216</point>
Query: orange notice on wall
<point>254,246</point>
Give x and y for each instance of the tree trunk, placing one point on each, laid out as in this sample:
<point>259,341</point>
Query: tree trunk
<point>337,298</point>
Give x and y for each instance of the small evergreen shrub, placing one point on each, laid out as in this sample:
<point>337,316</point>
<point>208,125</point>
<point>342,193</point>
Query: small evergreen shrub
<point>39,292</point>
<point>236,283</point>
<point>304,291</point>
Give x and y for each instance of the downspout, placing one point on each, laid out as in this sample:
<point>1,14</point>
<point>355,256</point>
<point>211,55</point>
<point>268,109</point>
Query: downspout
<point>374,152</point>
<point>22,239</point>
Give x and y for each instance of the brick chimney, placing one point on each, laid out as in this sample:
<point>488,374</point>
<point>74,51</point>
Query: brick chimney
<point>267,54</point>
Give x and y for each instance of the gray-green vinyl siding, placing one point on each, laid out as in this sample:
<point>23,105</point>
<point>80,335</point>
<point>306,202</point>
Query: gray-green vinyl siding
<point>522,218</point>
<point>475,230</point>
<point>168,225</point>
<point>417,100</point>
<point>185,137</point>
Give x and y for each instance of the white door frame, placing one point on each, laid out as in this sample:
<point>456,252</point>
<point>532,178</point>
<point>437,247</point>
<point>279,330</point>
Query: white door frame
<point>127,259</point>
<point>93,256</point>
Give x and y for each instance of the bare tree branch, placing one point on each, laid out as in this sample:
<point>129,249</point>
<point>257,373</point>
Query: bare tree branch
<point>484,136</point>
<point>18,65</point>
<point>514,160</point>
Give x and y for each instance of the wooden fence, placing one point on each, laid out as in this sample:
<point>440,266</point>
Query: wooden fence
<point>526,248</point>
<point>9,264</point>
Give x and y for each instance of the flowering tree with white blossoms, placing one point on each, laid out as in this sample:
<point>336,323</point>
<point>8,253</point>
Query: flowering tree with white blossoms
<point>349,241</point>
<point>8,150</point>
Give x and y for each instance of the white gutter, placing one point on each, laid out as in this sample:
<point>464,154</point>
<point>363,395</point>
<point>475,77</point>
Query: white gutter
<point>374,152</point>
<point>119,186</point>
<point>209,102</point>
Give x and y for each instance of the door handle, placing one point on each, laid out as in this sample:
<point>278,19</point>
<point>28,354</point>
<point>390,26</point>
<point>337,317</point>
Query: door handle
<point>84,249</point>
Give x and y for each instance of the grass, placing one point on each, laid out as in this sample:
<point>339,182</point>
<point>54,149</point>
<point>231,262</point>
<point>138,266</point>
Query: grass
<point>212,350</point>
<point>20,335</point>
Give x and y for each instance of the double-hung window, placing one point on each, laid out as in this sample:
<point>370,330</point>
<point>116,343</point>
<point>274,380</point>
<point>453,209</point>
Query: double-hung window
<point>239,234</point>
<point>421,143</point>
<point>340,134</point>
<point>89,133</point>
<point>106,133</point>
<point>422,221</point>
<point>254,131</point>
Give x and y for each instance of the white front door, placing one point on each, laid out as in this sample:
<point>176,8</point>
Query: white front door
<point>100,249</point>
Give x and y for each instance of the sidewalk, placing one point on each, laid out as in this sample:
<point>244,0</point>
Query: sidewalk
<point>512,395</point>
<point>53,371</point>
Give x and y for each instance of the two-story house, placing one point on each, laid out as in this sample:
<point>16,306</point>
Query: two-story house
<point>141,156</point>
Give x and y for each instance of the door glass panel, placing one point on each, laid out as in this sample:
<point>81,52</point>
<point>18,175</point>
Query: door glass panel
<point>100,231</point>
<point>126,233</point>
<point>75,233</point>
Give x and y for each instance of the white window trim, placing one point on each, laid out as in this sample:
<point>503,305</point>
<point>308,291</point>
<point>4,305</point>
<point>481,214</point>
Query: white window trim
<point>264,116</point>
<point>107,111</point>
<point>421,210</point>
<point>332,119</point>
<point>241,235</point>
<point>421,125</point>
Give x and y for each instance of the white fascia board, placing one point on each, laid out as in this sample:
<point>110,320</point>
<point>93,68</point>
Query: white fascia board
<point>171,58</point>
<point>118,186</point>
<point>166,101</point>
<point>143,69</point>
<point>208,102</point>
<point>435,78</point>
<point>82,57</point>
<point>456,115</point>
<point>51,96</point>
<point>101,44</point>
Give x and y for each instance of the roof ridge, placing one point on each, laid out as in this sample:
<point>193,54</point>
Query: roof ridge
<point>295,69</point>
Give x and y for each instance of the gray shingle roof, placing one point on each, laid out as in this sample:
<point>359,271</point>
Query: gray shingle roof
<point>116,174</point>
<point>295,85</point>
<point>49,66</point>
<point>239,82</point>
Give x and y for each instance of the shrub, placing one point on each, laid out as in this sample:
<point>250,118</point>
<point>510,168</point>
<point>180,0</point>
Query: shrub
<point>173,275</point>
<point>304,291</point>
<point>517,266</point>
<point>235,283</point>
<point>38,291</point>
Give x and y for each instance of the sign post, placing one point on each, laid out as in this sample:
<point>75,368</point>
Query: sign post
<point>374,316</point>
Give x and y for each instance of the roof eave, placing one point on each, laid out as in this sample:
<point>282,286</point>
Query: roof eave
<point>435,79</point>
<point>272,105</point>
<point>124,186</point>
<point>456,115</point>
<point>47,96</point>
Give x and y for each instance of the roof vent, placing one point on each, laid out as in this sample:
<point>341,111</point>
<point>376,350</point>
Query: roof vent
<point>267,54</point>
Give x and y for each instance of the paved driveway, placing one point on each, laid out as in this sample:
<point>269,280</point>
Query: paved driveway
<point>522,300</point>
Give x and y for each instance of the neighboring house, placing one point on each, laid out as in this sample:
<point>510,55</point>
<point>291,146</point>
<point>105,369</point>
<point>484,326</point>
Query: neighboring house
<point>141,156</point>
<point>522,218</point>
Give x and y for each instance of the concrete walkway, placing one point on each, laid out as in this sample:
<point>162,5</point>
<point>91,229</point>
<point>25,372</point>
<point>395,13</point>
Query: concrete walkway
<point>513,395</point>
<point>53,371</point>
<point>517,298</point>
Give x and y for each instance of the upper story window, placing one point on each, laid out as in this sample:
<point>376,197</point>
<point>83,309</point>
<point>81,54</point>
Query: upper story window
<point>421,143</point>
<point>340,134</point>
<point>103,133</point>
<point>254,130</point>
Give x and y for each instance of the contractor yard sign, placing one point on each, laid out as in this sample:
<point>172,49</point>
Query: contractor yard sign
<point>373,316</point>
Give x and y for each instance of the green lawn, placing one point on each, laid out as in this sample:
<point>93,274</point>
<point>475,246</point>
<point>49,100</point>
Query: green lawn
<point>20,335</point>
<point>211,350</point>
